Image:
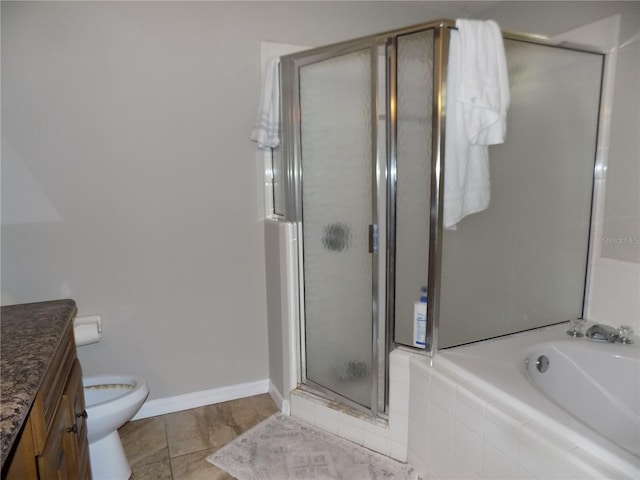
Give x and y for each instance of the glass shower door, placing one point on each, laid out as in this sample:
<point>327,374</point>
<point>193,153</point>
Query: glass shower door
<point>337,162</point>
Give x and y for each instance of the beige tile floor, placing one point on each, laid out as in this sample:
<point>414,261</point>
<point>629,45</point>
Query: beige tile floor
<point>175,446</point>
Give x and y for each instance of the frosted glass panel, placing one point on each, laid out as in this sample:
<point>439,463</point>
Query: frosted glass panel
<point>521,263</point>
<point>413,153</point>
<point>278,179</point>
<point>336,143</point>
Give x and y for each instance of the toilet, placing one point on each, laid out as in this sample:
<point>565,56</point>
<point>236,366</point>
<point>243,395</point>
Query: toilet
<point>111,401</point>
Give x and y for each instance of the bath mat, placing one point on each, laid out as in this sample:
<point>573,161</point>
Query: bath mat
<point>283,448</point>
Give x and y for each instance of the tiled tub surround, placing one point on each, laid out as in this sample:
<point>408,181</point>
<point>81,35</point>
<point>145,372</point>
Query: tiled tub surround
<point>31,334</point>
<point>473,414</point>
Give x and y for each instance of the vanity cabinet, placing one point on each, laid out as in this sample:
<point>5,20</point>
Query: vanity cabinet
<point>53,442</point>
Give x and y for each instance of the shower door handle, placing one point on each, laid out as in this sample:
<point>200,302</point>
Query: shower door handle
<point>373,238</point>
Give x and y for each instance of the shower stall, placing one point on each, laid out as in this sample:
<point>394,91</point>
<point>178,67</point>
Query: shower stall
<point>360,175</point>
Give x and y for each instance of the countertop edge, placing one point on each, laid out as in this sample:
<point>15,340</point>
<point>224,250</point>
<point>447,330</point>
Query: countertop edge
<point>30,334</point>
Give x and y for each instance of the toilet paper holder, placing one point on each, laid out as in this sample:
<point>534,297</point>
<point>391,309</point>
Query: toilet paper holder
<point>87,329</point>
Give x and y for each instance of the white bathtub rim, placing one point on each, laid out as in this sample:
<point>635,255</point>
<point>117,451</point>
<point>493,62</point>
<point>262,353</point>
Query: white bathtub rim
<point>575,434</point>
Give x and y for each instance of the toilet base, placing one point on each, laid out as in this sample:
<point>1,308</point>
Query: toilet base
<point>108,460</point>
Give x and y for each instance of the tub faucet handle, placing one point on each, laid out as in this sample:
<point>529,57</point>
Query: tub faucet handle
<point>624,334</point>
<point>602,333</point>
<point>575,327</point>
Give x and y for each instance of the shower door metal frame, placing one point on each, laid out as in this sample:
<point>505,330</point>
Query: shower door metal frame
<point>290,65</point>
<point>442,29</point>
<point>290,68</point>
<point>383,324</point>
<point>440,52</point>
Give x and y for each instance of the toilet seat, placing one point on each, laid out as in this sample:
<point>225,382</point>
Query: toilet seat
<point>106,388</point>
<point>110,402</point>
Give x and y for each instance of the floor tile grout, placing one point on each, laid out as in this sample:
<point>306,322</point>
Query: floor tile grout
<point>175,446</point>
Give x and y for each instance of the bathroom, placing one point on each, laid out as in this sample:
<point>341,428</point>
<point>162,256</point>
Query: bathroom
<point>130,183</point>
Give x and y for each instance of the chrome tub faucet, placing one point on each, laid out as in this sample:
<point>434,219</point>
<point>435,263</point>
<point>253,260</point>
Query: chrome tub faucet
<point>605,333</point>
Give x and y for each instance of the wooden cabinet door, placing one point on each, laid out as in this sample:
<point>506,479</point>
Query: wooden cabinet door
<point>54,462</point>
<point>73,401</point>
<point>66,453</point>
<point>22,465</point>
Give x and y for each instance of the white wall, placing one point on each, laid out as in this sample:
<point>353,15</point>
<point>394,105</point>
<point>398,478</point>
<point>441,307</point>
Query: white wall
<point>128,179</point>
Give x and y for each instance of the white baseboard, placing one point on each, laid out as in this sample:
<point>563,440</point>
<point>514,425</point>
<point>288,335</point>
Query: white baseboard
<point>283,405</point>
<point>276,395</point>
<point>162,406</point>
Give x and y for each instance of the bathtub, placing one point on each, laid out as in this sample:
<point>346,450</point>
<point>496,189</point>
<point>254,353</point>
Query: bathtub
<point>598,383</point>
<point>492,414</point>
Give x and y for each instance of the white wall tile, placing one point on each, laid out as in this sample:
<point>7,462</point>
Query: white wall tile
<point>420,368</point>
<point>418,460</point>
<point>467,447</point>
<point>542,467</point>
<point>461,471</point>
<point>376,428</point>
<point>441,426</point>
<point>501,431</point>
<point>420,385</point>
<point>399,356</point>
<point>418,436</point>
<point>614,298</point>
<point>399,397</point>
<point>398,451</point>
<point>547,438</point>
<point>443,392</point>
<point>524,474</point>
<point>373,434</point>
<point>351,432</point>
<point>399,427</point>
<point>497,466</point>
<point>470,409</point>
<point>583,466</point>
<point>541,456</point>
<point>350,420</point>
<point>399,373</point>
<point>418,403</point>
<point>303,409</point>
<point>327,419</point>
<point>378,443</point>
<point>439,458</point>
<point>399,366</point>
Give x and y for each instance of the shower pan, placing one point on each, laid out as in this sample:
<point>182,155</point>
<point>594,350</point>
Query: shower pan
<point>362,169</point>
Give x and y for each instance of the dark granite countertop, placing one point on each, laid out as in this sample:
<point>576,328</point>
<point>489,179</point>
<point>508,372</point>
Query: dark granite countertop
<point>29,336</point>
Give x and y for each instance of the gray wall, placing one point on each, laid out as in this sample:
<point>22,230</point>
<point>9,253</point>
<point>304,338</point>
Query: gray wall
<point>128,179</point>
<point>129,182</point>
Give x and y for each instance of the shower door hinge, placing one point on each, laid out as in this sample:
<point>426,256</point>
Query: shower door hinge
<point>373,238</point>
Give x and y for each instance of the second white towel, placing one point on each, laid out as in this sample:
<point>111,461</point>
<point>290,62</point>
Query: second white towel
<point>477,103</point>
<point>267,124</point>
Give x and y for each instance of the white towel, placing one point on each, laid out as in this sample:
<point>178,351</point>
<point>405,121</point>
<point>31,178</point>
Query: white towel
<point>267,124</point>
<point>477,103</point>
